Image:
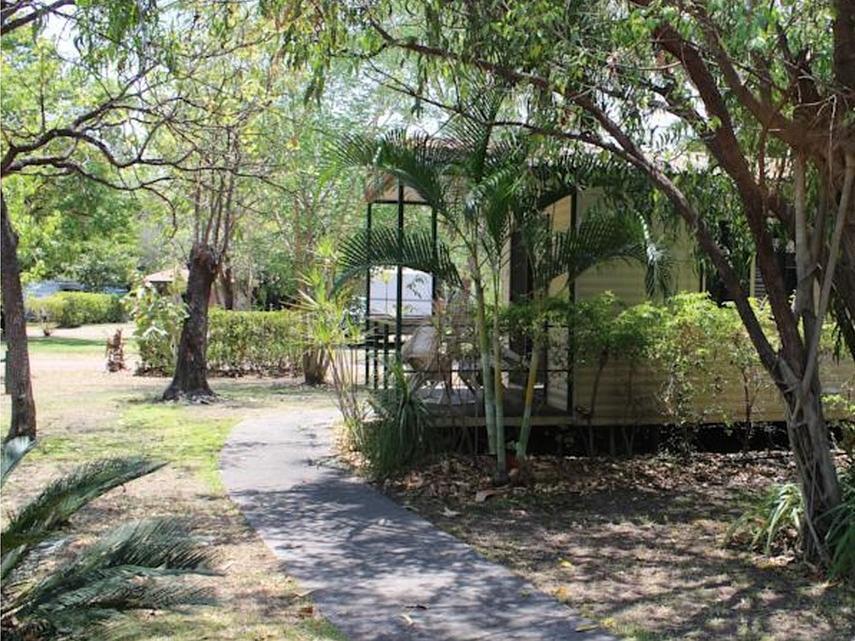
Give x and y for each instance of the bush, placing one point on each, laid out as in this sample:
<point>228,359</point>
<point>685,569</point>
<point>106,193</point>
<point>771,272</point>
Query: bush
<point>73,309</point>
<point>238,342</point>
<point>396,437</point>
<point>157,321</point>
<point>58,585</point>
<point>254,342</point>
<point>773,523</point>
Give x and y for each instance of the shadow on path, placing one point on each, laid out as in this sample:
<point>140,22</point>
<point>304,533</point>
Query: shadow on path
<point>377,571</point>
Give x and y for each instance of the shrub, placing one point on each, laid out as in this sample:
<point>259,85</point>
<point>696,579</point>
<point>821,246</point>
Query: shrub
<point>396,437</point>
<point>73,309</point>
<point>254,342</point>
<point>238,342</point>
<point>157,321</point>
<point>773,523</point>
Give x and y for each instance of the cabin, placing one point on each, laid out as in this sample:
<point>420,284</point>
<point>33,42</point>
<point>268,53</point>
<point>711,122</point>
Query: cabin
<point>400,302</point>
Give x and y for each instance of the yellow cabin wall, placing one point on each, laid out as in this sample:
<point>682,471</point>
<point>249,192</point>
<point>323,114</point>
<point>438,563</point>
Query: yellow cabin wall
<point>613,406</point>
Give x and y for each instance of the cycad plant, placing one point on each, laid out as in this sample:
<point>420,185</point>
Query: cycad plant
<point>50,592</point>
<point>484,183</point>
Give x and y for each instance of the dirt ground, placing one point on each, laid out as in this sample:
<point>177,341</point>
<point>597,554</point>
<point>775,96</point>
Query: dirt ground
<point>85,413</point>
<point>638,544</point>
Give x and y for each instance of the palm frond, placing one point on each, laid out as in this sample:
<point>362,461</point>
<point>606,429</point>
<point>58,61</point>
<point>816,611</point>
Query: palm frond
<point>125,569</point>
<point>417,160</point>
<point>473,128</point>
<point>382,249</point>
<point>13,451</point>
<point>52,508</point>
<point>597,240</point>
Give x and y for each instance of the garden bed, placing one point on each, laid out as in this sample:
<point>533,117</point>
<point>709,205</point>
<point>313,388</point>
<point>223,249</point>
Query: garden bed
<point>637,544</point>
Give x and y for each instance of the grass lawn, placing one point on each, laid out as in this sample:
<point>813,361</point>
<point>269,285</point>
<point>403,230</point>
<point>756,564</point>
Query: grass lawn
<point>638,545</point>
<point>86,413</point>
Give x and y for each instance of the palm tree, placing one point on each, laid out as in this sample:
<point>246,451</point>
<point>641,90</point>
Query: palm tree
<point>134,566</point>
<point>483,184</point>
<point>598,239</point>
<point>465,177</point>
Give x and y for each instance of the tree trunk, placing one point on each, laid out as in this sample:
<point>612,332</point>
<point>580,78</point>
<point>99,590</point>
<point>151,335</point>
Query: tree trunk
<point>191,368</point>
<point>227,279</point>
<point>808,435</point>
<point>315,363</point>
<point>531,381</point>
<point>486,370</point>
<point>498,397</point>
<point>18,383</point>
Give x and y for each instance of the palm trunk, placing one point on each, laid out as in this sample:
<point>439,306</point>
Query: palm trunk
<point>595,390</point>
<point>531,381</point>
<point>18,383</point>
<point>191,369</point>
<point>486,372</point>
<point>501,452</point>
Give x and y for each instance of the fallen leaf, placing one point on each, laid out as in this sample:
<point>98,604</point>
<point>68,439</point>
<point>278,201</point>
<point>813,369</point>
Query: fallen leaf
<point>449,513</point>
<point>483,495</point>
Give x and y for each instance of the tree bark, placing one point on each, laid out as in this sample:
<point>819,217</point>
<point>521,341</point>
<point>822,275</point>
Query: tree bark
<point>191,368</point>
<point>227,279</point>
<point>18,383</point>
<point>315,364</point>
<point>808,435</point>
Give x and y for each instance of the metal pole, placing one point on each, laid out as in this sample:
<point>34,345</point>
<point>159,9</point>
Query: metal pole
<point>367,293</point>
<point>399,295</point>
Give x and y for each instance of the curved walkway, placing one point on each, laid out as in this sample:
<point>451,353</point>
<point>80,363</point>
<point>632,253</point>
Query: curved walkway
<point>377,571</point>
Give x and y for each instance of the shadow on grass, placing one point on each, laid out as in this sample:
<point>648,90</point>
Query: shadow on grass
<point>651,565</point>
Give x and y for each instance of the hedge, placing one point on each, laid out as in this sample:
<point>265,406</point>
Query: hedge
<point>238,342</point>
<point>254,342</point>
<point>73,309</point>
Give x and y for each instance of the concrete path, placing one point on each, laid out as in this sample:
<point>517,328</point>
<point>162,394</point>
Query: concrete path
<point>378,571</point>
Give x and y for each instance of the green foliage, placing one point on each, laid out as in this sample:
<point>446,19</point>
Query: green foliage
<point>48,594</point>
<point>773,521</point>
<point>687,349</point>
<point>13,451</point>
<point>841,532</point>
<point>329,331</point>
<point>72,309</point>
<point>396,437</point>
<point>257,342</point>
<point>104,262</point>
<point>238,342</point>
<point>382,246</point>
<point>157,329</point>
